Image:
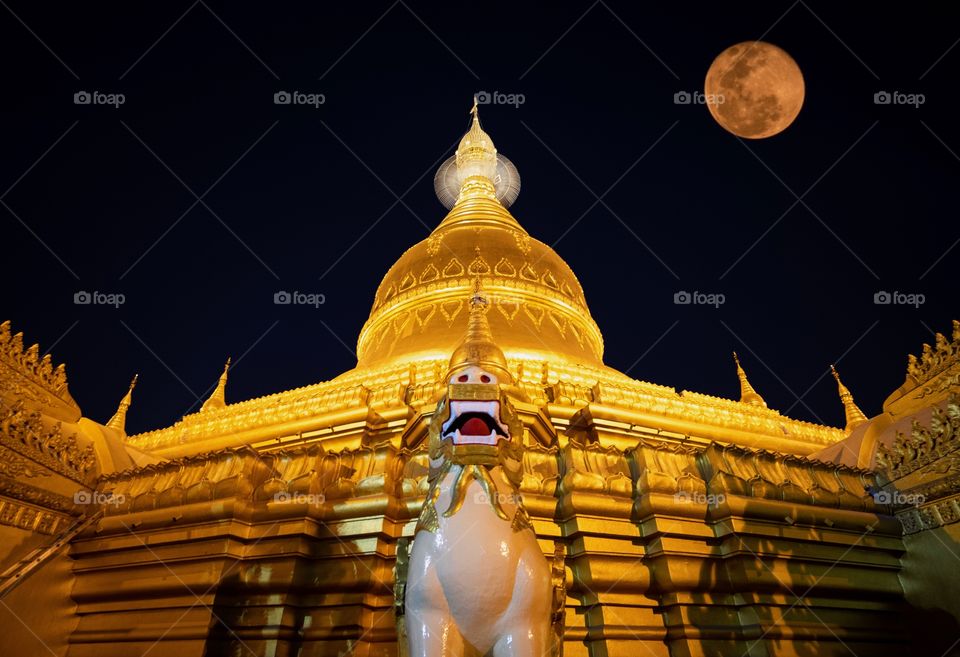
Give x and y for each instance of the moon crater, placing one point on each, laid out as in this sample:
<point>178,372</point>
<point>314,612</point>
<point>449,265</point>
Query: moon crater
<point>756,89</point>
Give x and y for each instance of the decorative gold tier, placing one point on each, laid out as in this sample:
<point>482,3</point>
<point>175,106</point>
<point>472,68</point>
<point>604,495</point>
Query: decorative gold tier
<point>537,306</point>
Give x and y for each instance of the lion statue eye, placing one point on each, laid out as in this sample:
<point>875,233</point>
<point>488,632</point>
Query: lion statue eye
<point>484,378</point>
<point>463,378</point>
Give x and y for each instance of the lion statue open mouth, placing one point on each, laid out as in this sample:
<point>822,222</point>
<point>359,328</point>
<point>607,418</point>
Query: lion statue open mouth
<point>477,581</point>
<point>474,423</point>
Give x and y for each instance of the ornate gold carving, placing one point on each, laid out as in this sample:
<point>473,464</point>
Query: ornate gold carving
<point>20,490</point>
<point>521,520</point>
<point>934,360</point>
<point>400,568</point>
<point>595,468</point>
<point>658,468</point>
<point>734,470</point>
<point>24,432</point>
<point>32,519</point>
<point>558,578</point>
<point>924,445</point>
<point>26,375</point>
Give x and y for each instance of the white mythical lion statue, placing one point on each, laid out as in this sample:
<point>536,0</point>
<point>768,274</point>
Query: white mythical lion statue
<point>477,582</point>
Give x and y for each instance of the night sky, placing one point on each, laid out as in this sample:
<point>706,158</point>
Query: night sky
<point>293,197</point>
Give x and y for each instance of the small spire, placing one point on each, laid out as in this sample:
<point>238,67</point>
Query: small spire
<point>855,416</point>
<point>218,398</point>
<point>747,394</point>
<point>119,419</point>
<point>476,159</point>
<point>478,346</point>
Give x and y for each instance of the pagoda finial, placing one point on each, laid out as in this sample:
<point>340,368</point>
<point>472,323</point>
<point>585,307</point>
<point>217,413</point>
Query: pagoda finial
<point>854,415</point>
<point>476,155</point>
<point>119,419</point>
<point>476,170</point>
<point>218,398</point>
<point>747,394</point>
<point>478,346</point>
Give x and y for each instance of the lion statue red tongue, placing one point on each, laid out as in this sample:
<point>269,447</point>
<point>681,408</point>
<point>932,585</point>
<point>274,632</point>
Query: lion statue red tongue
<point>474,427</point>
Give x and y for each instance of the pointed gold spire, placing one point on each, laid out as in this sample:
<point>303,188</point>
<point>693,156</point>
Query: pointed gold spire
<point>747,394</point>
<point>119,419</point>
<point>855,416</point>
<point>478,347</point>
<point>476,160</point>
<point>218,398</point>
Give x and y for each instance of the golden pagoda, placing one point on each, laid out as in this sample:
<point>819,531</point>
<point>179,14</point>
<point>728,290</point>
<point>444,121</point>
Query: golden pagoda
<point>680,523</point>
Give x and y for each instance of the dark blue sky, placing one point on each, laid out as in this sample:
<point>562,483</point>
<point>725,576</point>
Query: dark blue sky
<point>112,206</point>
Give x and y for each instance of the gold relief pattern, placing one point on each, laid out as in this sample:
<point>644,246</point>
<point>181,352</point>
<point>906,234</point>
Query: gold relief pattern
<point>429,274</point>
<point>523,241</point>
<point>549,280</point>
<point>407,282</point>
<point>737,470</point>
<point>24,432</point>
<point>32,519</point>
<point>527,272</point>
<point>535,313</point>
<point>592,467</point>
<point>541,470</point>
<point>669,469</point>
<point>424,314</point>
<point>285,476</point>
<point>505,268</point>
<point>13,489</point>
<point>433,243</point>
<point>559,322</point>
<point>400,324</point>
<point>453,269</point>
<point>570,386</point>
<point>13,466</point>
<point>508,308</point>
<point>478,266</point>
<point>450,310</point>
<point>713,411</point>
<point>924,445</point>
<point>25,375</point>
<point>936,359</point>
<point>308,475</point>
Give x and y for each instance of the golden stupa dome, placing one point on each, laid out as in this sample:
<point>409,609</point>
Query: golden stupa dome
<point>536,306</point>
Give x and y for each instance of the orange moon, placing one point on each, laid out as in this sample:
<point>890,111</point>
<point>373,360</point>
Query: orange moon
<point>754,89</point>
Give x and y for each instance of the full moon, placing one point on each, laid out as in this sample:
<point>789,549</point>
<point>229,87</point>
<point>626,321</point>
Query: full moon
<point>754,89</point>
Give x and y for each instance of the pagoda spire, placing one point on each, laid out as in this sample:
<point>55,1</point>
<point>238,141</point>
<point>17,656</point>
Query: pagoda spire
<point>478,346</point>
<point>855,416</point>
<point>218,398</point>
<point>119,419</point>
<point>747,394</point>
<point>476,159</point>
